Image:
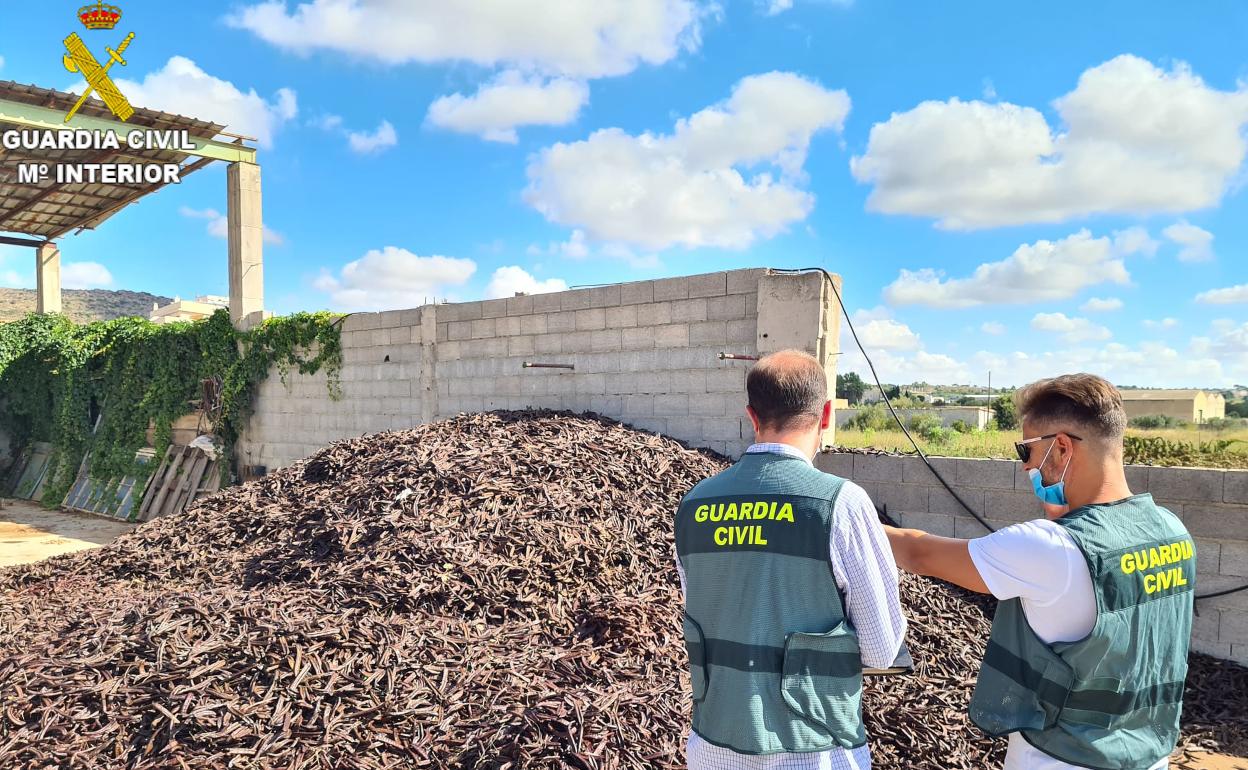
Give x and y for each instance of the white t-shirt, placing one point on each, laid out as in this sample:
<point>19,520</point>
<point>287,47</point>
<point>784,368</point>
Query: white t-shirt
<point>1038,563</point>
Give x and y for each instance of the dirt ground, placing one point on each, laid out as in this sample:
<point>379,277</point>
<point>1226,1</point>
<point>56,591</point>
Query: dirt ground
<point>1222,762</point>
<point>29,533</point>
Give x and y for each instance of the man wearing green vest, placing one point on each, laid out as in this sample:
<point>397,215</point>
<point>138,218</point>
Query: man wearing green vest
<point>1088,652</point>
<point>790,589</point>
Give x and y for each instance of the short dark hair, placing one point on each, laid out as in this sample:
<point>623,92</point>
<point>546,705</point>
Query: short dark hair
<point>1089,402</point>
<point>787,390</point>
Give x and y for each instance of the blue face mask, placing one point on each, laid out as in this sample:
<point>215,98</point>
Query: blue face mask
<point>1054,494</point>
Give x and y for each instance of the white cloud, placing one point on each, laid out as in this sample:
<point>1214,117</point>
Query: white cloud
<point>1134,139</point>
<point>366,143</point>
<point>1196,243</point>
<point>507,102</point>
<point>1071,329</point>
<point>777,7</point>
<point>1,62</point>
<point>596,39</point>
<point>1037,272</point>
<point>1099,305</point>
<point>392,278</point>
<point>1164,324</point>
<point>218,225</point>
<point>990,90</point>
<point>688,188</point>
<point>85,275</point>
<point>1231,295</point>
<point>887,334</point>
<point>182,88</point>
<point>508,280</point>
<point>1135,240</point>
<point>995,328</point>
<point>574,247</point>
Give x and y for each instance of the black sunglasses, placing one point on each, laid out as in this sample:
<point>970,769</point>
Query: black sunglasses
<point>1024,447</point>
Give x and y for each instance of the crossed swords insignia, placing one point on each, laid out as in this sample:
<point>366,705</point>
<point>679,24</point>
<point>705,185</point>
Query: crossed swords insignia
<point>79,59</point>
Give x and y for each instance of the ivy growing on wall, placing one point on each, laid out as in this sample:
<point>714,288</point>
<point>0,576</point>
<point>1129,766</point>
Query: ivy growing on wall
<point>57,379</point>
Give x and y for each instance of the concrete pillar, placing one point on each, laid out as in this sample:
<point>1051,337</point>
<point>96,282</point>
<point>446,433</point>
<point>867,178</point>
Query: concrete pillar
<point>48,278</point>
<point>801,311</point>
<point>246,242</point>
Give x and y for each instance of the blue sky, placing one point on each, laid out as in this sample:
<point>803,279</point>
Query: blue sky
<point>1021,188</point>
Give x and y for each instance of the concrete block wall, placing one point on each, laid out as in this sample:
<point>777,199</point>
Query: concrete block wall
<point>645,353</point>
<point>1212,503</point>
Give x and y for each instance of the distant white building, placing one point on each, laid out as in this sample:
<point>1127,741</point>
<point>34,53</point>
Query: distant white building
<point>188,310</point>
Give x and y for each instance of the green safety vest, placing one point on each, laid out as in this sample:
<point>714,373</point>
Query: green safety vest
<point>1111,700</point>
<point>774,664</point>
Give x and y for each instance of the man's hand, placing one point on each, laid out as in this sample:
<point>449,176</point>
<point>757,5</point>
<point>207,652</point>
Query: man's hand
<point>947,558</point>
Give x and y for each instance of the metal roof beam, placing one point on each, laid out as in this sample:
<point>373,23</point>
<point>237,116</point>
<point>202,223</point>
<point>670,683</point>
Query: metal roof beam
<point>31,116</point>
<point>6,240</point>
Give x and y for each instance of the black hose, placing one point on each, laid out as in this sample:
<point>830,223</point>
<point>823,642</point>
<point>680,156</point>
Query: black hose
<point>900,424</point>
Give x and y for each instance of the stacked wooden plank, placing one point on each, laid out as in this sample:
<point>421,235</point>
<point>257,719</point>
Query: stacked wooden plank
<point>185,473</point>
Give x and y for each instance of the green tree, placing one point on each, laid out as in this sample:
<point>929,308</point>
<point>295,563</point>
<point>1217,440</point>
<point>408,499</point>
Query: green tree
<point>850,386</point>
<point>1005,412</point>
<point>1237,409</point>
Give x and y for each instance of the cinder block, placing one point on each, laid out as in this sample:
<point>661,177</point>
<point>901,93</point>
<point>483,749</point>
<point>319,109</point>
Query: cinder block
<point>591,319</point>
<point>685,428</point>
<point>1194,484</point>
<point>578,342</point>
<point>621,317</point>
<point>508,326</point>
<point>940,501</point>
<point>482,328</point>
<point>391,318</point>
<point>1214,649</point>
<point>914,471</point>
<point>415,335</point>
<point>443,333</point>
<point>520,346</point>
<point>654,314</point>
<point>726,308</point>
<point>693,381</point>
<point>876,468</point>
<point>708,285</point>
<point>1238,654</point>
<point>1208,556</point>
<point>545,344</point>
<point>837,463</point>
<point>987,474</point>
<point>673,404</point>
<point>1010,505</point>
<point>605,339</point>
<point>637,338</point>
<point>668,289</point>
<point>519,306</point>
<point>1223,522</point>
<point>459,330</point>
<point>493,308</point>
<point>612,406</point>
<point>459,311</point>
<point>1137,478</point>
<point>1234,628</point>
<point>717,404</point>
<point>1236,602</point>
<point>708,333</point>
<point>933,523</point>
<point>534,324</point>
<point>637,293</point>
<point>671,336</point>
<point>689,310</point>
<point>1206,625</point>
<point>904,498</point>
<point>726,380</point>
<point>558,323</point>
<point>966,527</point>
<point>743,281</point>
<point>355,322</point>
<point>1236,487</point>
<point>742,335</point>
<point>639,406</point>
<point>547,303</point>
<point>721,429</point>
<point>649,424</point>
<point>1233,556</point>
<point>599,296</point>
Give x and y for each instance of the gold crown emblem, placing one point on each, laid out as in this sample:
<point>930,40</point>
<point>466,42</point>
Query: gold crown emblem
<point>99,16</point>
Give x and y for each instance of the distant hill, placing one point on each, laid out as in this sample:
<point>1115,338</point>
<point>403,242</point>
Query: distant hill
<point>83,305</point>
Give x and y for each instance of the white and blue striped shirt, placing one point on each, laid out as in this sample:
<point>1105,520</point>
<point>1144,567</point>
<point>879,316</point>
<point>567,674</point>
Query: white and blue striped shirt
<point>863,565</point>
